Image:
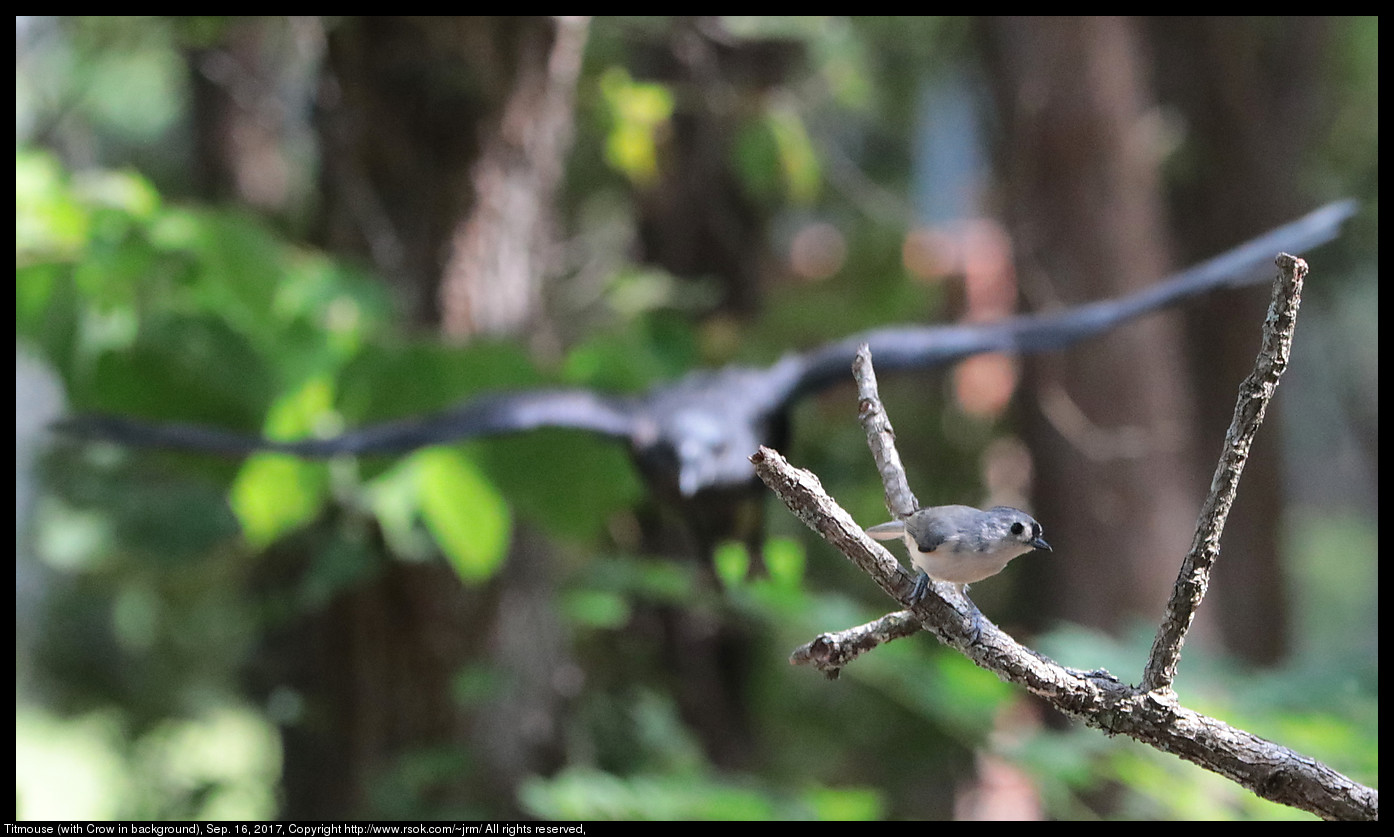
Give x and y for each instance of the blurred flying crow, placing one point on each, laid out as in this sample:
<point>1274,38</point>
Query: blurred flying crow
<point>690,438</point>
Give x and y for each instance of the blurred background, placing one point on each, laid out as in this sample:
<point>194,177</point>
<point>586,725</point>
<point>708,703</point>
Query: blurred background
<point>293,226</point>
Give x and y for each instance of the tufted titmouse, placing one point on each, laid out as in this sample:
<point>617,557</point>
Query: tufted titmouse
<point>960,544</point>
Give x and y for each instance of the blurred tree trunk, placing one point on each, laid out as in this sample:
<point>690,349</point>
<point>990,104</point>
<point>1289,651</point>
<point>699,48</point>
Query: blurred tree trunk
<point>1109,422</point>
<point>1250,90</point>
<point>404,107</point>
<point>498,257</point>
<point>443,140</point>
<point>238,105</point>
<point>699,221</point>
<point>1082,173</point>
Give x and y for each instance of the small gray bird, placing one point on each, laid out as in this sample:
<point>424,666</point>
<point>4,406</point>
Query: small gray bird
<point>960,544</point>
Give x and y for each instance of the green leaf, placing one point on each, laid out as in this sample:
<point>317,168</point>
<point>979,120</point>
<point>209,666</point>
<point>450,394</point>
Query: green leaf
<point>274,494</point>
<point>798,162</point>
<point>50,222</point>
<point>732,563</point>
<point>464,512</point>
<point>842,804</point>
<point>785,560</point>
<point>638,112</point>
<point>388,382</point>
<point>566,481</point>
<point>597,609</point>
<point>194,369</point>
<point>776,159</point>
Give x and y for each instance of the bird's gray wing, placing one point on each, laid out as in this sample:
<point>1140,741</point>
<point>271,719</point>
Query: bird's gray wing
<point>922,347</point>
<point>490,415</point>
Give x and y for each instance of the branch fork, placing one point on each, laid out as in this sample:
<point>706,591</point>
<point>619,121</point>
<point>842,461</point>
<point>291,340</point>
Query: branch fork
<point>1150,713</point>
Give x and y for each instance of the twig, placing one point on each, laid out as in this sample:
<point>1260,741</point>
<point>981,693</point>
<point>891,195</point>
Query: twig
<point>900,502</point>
<point>1254,395</point>
<point>831,651</point>
<point>1151,715</point>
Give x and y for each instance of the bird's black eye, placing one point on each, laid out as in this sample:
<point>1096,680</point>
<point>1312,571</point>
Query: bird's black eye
<point>1018,528</point>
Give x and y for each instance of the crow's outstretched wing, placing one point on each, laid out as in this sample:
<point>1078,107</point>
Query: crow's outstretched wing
<point>703,425</point>
<point>922,347</point>
<point>489,415</point>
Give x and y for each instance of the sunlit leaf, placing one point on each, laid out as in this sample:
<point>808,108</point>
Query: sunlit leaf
<point>274,494</point>
<point>732,563</point>
<point>464,512</point>
<point>638,112</point>
<point>784,560</point>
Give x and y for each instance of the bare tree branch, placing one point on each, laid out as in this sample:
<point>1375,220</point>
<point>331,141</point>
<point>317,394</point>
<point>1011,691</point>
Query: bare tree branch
<point>1151,715</point>
<point>1254,395</point>
<point>900,501</point>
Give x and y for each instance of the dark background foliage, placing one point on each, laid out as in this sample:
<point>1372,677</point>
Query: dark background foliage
<point>291,226</point>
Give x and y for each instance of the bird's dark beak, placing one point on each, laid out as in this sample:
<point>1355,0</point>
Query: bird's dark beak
<point>1040,543</point>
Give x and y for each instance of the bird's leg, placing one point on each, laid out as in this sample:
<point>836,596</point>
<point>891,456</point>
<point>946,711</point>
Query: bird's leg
<point>976,614</point>
<point>977,624</point>
<point>921,585</point>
